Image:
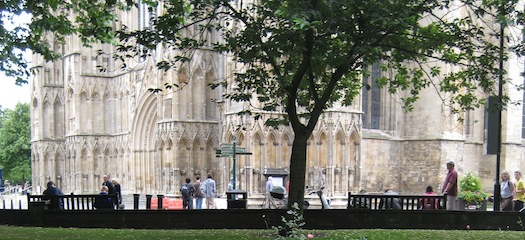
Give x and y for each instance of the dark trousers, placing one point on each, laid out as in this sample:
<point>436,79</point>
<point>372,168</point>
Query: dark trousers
<point>518,205</point>
<point>187,203</point>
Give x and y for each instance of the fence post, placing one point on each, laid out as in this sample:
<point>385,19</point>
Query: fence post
<point>148,201</point>
<point>160,197</point>
<point>349,204</point>
<point>73,203</point>
<point>136,201</point>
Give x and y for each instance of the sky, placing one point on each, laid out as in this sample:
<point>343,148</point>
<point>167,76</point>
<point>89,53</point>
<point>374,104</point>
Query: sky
<point>10,93</point>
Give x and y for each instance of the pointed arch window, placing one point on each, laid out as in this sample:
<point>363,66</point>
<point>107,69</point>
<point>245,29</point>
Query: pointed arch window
<point>371,103</point>
<point>145,15</point>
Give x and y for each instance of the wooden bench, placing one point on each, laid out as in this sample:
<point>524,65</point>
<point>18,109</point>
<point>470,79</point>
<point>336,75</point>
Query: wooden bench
<point>389,202</point>
<point>72,202</point>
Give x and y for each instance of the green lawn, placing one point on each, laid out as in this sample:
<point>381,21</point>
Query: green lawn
<point>13,233</point>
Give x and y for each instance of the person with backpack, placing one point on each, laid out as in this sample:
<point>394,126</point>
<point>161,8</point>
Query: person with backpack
<point>199,193</point>
<point>187,192</point>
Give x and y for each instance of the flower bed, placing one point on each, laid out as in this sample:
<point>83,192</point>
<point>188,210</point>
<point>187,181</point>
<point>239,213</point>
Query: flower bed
<point>470,195</point>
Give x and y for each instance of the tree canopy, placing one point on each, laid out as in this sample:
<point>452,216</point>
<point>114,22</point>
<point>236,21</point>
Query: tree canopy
<point>300,57</point>
<point>15,143</point>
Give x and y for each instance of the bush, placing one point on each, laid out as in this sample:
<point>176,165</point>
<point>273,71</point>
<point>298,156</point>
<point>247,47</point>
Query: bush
<point>470,182</point>
<point>470,189</point>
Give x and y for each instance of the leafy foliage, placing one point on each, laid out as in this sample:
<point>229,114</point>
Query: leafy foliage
<point>470,189</point>
<point>470,182</point>
<point>15,143</point>
<point>293,224</point>
<point>473,196</point>
<point>49,26</point>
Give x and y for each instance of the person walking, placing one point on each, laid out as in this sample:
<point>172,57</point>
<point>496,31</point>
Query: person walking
<point>199,195</point>
<point>507,192</point>
<point>209,192</point>
<point>450,186</point>
<point>187,191</point>
<point>520,192</point>
<point>268,199</point>
<point>118,192</point>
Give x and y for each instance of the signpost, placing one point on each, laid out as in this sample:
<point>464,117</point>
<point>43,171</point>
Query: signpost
<point>231,150</point>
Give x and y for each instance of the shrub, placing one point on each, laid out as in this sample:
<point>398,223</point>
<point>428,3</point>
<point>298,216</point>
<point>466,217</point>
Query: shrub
<point>470,182</point>
<point>470,189</point>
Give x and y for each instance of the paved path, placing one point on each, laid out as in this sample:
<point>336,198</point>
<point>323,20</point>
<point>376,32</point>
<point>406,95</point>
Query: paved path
<point>19,201</point>
<point>128,202</point>
<point>13,201</point>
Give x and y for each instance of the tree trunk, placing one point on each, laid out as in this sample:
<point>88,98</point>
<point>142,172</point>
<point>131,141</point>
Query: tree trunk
<point>297,179</point>
<point>298,170</point>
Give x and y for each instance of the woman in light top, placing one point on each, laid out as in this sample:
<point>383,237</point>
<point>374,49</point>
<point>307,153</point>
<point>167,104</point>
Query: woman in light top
<point>507,192</point>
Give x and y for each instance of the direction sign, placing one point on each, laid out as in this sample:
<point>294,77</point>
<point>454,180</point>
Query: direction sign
<point>228,152</point>
<point>226,145</point>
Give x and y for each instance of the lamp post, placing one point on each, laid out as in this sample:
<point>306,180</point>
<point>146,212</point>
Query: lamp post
<point>234,162</point>
<point>497,187</point>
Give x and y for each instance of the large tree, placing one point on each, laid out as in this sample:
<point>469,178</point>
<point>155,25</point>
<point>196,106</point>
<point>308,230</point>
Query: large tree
<point>15,143</point>
<point>300,57</point>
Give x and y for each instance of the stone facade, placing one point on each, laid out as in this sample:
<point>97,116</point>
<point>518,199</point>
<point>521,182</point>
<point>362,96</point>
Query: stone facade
<point>91,117</point>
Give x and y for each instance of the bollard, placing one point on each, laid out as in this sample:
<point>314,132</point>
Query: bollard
<point>136,201</point>
<point>160,197</point>
<point>148,201</point>
<point>72,200</point>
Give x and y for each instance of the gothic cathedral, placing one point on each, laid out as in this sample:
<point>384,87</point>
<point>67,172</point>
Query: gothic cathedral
<point>92,117</point>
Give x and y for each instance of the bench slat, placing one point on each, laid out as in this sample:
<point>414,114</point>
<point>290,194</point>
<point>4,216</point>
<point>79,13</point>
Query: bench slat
<point>73,202</point>
<point>395,202</point>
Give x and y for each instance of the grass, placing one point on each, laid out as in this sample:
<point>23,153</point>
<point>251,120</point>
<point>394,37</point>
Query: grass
<point>14,233</point>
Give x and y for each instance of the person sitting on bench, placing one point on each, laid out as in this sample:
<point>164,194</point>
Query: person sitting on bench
<point>391,203</point>
<point>103,201</point>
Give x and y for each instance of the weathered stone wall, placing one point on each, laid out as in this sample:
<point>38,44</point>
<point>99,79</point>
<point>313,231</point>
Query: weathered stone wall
<point>421,166</point>
<point>379,162</point>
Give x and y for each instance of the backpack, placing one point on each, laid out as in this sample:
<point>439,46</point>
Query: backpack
<point>185,190</point>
